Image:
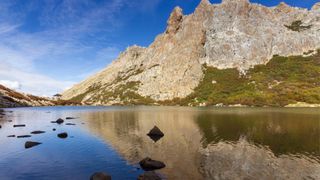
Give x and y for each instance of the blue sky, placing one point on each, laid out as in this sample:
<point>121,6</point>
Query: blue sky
<point>47,46</point>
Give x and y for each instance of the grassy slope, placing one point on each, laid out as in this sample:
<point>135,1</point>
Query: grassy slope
<point>282,81</point>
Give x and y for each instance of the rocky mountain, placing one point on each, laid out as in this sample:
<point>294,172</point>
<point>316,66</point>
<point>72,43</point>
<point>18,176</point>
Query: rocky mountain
<point>11,98</point>
<point>214,56</point>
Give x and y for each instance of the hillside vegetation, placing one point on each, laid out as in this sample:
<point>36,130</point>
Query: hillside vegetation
<point>282,81</point>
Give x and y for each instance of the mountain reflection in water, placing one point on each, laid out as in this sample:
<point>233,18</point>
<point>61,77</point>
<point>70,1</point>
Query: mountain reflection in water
<point>219,143</point>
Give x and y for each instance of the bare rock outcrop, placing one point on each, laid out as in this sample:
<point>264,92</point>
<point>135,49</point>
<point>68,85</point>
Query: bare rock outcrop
<point>233,34</point>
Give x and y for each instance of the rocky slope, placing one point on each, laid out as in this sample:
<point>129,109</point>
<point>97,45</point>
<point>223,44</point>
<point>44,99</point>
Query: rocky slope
<point>235,34</point>
<point>11,98</point>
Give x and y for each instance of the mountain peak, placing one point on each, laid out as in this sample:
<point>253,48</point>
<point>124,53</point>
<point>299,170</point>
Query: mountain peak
<point>235,34</point>
<point>174,20</point>
<point>235,1</point>
<point>316,6</point>
<point>204,2</point>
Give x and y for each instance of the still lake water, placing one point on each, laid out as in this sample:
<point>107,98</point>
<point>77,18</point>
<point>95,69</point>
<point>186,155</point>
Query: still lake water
<point>199,143</point>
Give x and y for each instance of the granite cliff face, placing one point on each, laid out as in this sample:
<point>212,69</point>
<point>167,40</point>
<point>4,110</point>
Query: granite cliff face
<point>234,34</point>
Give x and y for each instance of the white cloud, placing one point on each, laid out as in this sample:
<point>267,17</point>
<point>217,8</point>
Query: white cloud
<point>63,26</point>
<point>11,84</point>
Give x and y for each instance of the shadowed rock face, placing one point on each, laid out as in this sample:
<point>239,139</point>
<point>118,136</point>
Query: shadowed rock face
<point>233,34</point>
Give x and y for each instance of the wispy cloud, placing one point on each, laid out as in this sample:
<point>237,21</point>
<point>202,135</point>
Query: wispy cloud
<point>36,33</point>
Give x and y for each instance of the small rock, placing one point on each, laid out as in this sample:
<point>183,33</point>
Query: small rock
<point>70,124</point>
<point>63,135</point>
<point>155,131</point>
<point>37,132</point>
<point>0,126</point>
<point>11,136</point>
<point>150,175</point>
<point>155,134</point>
<point>24,136</point>
<point>148,164</point>
<point>30,144</point>
<point>70,118</point>
<point>59,121</point>
<point>100,176</point>
<point>19,125</point>
<point>54,129</point>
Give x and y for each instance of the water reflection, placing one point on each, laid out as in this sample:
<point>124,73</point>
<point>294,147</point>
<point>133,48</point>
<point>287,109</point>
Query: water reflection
<point>126,132</point>
<point>216,143</point>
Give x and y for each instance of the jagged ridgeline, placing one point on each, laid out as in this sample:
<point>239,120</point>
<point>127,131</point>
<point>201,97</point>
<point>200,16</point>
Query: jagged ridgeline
<point>235,52</point>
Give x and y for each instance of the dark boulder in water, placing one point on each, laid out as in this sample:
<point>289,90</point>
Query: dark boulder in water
<point>54,129</point>
<point>149,175</point>
<point>19,125</point>
<point>148,164</point>
<point>24,136</point>
<point>63,135</point>
<point>155,134</point>
<point>100,176</point>
<point>0,126</point>
<point>30,144</point>
<point>37,132</point>
<point>59,121</point>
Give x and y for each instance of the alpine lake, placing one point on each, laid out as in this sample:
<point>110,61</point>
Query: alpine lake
<point>198,143</point>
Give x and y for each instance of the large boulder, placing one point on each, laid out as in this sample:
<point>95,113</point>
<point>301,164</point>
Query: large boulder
<point>148,164</point>
<point>100,176</point>
<point>149,175</point>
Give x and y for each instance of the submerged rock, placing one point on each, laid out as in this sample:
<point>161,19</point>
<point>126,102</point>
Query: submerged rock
<point>100,176</point>
<point>37,132</point>
<point>19,125</point>
<point>59,121</point>
<point>11,136</point>
<point>30,144</point>
<point>63,135</point>
<point>148,164</point>
<point>70,124</point>
<point>70,118</point>
<point>54,129</point>
<point>150,175</point>
<point>24,136</point>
